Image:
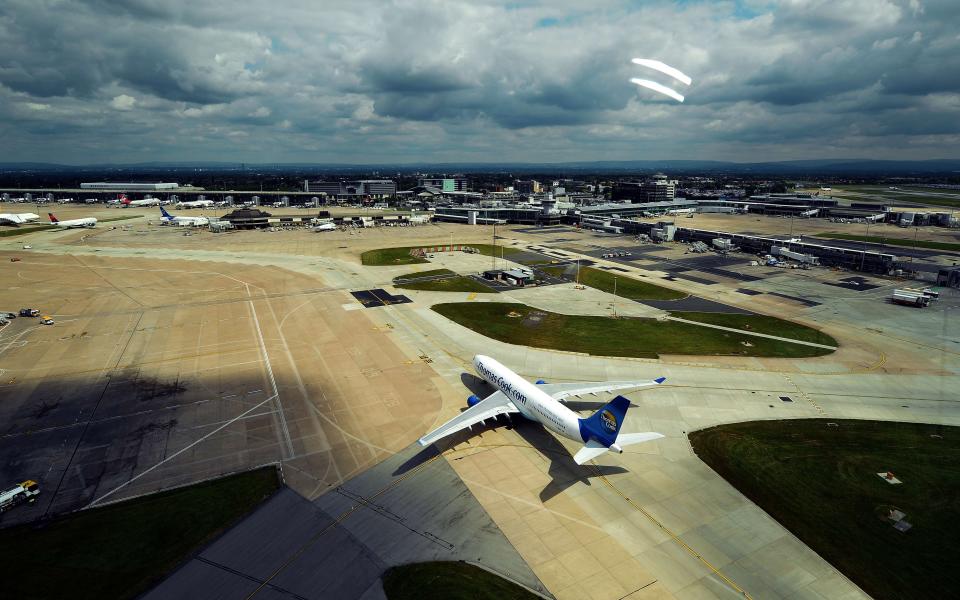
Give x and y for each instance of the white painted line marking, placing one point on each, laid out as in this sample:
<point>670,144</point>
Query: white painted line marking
<point>181,451</point>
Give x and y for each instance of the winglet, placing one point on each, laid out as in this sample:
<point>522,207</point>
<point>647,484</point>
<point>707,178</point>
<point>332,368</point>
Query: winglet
<point>660,380</point>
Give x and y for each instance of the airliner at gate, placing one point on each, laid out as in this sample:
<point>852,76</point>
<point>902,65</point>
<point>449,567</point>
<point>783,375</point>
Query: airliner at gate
<point>541,402</point>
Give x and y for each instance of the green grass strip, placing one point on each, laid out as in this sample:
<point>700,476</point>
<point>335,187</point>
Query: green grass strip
<point>119,551</point>
<point>820,482</point>
<point>446,281</point>
<point>888,241</point>
<point>760,324</point>
<point>25,230</point>
<point>605,336</point>
<point>626,286</point>
<point>401,255</point>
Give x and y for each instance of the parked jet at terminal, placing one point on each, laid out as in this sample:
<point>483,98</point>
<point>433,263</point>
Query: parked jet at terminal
<point>84,222</point>
<point>186,221</point>
<point>195,204</point>
<point>17,218</point>
<point>145,202</point>
<point>541,402</point>
<point>325,227</point>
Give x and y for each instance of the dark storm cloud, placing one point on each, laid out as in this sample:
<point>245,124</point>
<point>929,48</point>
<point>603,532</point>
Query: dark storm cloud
<point>431,80</point>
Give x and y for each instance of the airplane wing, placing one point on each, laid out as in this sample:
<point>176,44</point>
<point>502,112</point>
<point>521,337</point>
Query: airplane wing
<point>562,391</point>
<point>495,404</point>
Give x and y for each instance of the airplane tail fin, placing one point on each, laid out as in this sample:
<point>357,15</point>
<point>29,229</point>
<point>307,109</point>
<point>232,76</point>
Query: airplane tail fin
<point>604,425</point>
<point>601,431</point>
<point>53,219</point>
<point>164,212</point>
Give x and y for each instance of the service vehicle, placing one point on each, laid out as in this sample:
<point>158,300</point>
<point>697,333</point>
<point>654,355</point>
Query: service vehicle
<point>29,312</point>
<point>25,491</point>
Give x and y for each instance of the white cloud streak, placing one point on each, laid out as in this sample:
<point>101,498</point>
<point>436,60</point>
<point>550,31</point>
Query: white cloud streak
<point>424,80</point>
<point>666,69</point>
<point>653,85</point>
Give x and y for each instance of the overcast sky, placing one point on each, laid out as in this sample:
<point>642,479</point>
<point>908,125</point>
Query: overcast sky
<point>361,81</point>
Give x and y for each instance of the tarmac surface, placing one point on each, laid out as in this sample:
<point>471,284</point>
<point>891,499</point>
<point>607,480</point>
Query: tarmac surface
<point>175,359</point>
<point>410,508</point>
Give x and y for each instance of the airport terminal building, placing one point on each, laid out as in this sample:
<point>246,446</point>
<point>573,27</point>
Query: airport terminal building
<point>362,188</point>
<point>112,186</point>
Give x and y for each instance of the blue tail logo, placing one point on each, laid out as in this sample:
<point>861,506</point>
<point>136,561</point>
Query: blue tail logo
<point>604,425</point>
<point>609,421</point>
<point>164,212</point>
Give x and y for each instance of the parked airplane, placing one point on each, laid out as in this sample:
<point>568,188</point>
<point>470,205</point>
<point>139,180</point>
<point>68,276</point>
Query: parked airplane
<point>195,204</point>
<point>84,222</point>
<point>188,221</point>
<point>325,227</point>
<point>17,218</point>
<point>145,202</point>
<point>541,402</point>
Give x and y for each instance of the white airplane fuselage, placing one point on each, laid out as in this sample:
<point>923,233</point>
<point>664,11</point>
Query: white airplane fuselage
<point>88,222</point>
<point>17,218</point>
<point>144,202</point>
<point>196,204</point>
<point>532,403</point>
<point>189,221</point>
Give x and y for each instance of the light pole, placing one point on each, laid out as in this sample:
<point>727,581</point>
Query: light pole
<point>614,296</point>
<point>863,253</point>
<point>578,271</point>
<point>916,232</point>
<point>494,253</point>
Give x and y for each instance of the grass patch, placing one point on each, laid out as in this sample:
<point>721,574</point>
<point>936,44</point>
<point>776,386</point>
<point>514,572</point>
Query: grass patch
<point>888,241</point>
<point>421,274</point>
<point>401,256</point>
<point>120,551</point>
<point>761,324</point>
<point>391,256</point>
<point>488,249</point>
<point>606,336</point>
<point>449,581</point>
<point>24,230</point>
<point>921,199</point>
<point>820,482</point>
<point>893,197</point>
<point>556,270</point>
<point>627,287</point>
<point>446,281</point>
<point>123,218</point>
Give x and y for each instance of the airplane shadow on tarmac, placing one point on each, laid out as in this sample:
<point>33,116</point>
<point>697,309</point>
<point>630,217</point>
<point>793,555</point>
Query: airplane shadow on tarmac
<point>564,473</point>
